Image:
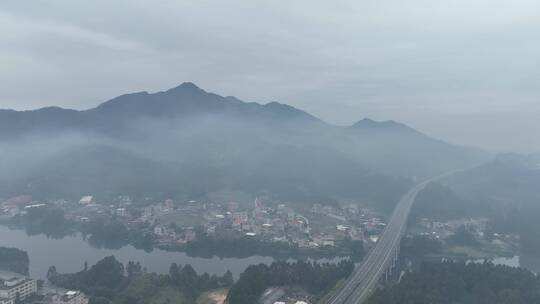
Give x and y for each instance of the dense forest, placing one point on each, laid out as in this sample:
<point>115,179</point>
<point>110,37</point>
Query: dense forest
<point>314,277</point>
<point>110,233</point>
<point>13,259</point>
<point>507,188</point>
<point>108,281</point>
<point>440,202</point>
<point>513,213</point>
<point>453,283</point>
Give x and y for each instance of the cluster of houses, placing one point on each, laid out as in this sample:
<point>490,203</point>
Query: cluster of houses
<point>15,288</point>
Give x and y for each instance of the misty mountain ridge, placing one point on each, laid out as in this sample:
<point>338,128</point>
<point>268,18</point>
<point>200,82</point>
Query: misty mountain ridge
<point>223,141</point>
<point>185,100</point>
<point>510,178</point>
<point>389,125</point>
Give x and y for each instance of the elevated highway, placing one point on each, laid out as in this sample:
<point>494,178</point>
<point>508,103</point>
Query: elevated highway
<point>382,258</point>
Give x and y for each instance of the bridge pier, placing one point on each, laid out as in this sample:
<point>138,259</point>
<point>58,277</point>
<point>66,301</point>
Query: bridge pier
<point>392,265</point>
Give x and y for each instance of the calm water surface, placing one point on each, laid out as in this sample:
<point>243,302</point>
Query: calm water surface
<point>70,253</point>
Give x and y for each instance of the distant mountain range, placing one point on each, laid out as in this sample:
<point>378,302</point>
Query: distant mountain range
<point>192,141</point>
<point>118,115</point>
<point>509,178</point>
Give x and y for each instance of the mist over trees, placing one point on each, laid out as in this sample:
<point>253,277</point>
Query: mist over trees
<point>186,142</point>
<point>109,281</point>
<point>505,191</point>
<point>450,282</point>
<point>314,277</point>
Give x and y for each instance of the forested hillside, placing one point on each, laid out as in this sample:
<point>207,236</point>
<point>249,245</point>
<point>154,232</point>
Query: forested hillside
<point>460,283</point>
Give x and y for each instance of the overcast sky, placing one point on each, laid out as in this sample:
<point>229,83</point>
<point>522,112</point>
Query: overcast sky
<point>466,71</point>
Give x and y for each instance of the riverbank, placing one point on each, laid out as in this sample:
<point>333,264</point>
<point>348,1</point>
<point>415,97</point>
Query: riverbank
<point>69,253</point>
<point>113,235</point>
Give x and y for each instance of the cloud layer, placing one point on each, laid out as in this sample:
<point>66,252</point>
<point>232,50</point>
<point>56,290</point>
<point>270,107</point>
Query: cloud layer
<point>439,66</point>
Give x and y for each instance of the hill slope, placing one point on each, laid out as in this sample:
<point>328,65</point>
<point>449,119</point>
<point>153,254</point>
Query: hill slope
<point>155,142</point>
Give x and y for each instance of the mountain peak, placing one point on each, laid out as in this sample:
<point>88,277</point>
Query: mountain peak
<point>389,125</point>
<point>187,86</point>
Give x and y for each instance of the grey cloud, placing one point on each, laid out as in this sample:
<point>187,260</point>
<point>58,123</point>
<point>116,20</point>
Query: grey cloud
<point>342,60</point>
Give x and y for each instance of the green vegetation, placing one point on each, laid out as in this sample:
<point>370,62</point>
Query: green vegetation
<point>313,277</point>
<point>105,233</point>
<point>337,288</point>
<point>448,282</point>
<point>47,220</point>
<point>521,219</point>
<point>440,202</point>
<point>462,237</point>
<point>113,234</point>
<point>507,188</point>
<point>417,248</point>
<point>13,259</point>
<point>510,213</point>
<point>108,281</point>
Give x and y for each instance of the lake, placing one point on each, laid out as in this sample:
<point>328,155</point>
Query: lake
<point>69,254</point>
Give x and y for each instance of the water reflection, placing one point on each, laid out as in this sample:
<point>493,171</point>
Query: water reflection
<point>69,254</point>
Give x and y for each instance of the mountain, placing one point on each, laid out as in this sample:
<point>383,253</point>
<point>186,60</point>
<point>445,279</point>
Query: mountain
<point>390,126</point>
<point>118,116</point>
<point>508,188</point>
<point>285,172</point>
<point>395,148</point>
<point>186,141</point>
<point>509,178</point>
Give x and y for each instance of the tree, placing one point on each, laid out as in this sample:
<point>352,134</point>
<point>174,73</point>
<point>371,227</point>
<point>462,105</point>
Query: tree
<point>314,277</point>
<point>228,279</point>
<point>133,269</point>
<point>174,273</point>
<point>463,237</point>
<point>14,259</point>
<point>51,272</point>
<point>450,282</point>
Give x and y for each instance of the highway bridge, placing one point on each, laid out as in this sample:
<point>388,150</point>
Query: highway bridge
<point>381,259</point>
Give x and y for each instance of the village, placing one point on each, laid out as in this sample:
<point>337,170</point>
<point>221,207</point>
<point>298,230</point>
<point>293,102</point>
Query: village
<point>173,223</point>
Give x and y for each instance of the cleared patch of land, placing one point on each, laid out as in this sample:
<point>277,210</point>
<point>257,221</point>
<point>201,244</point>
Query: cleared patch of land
<point>217,296</point>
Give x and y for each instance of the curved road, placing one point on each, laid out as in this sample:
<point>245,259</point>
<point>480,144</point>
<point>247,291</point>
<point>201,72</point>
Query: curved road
<point>364,278</point>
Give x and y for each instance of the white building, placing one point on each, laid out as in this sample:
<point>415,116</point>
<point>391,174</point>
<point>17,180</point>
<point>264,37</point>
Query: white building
<point>6,301</point>
<point>160,230</point>
<point>70,297</point>
<point>14,287</point>
<point>122,212</point>
<point>85,200</point>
